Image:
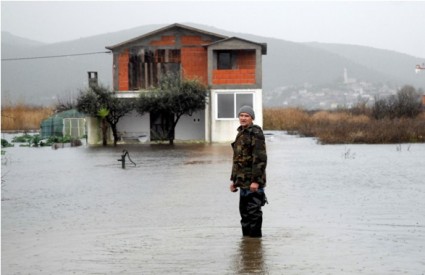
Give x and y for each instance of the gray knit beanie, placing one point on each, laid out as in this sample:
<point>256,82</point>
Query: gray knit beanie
<point>247,109</point>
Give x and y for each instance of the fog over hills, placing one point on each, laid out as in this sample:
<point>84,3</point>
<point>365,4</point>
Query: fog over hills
<point>13,40</point>
<point>41,81</point>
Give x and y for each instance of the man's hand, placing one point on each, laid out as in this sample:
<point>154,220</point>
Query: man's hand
<point>233,188</point>
<point>254,187</point>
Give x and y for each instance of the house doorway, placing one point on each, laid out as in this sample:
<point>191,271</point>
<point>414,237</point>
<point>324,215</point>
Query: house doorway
<point>161,126</point>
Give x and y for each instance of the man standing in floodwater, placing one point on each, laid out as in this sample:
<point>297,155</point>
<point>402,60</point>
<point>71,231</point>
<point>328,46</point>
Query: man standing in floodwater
<point>249,172</point>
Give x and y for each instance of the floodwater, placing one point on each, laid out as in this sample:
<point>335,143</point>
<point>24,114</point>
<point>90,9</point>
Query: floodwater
<point>333,209</point>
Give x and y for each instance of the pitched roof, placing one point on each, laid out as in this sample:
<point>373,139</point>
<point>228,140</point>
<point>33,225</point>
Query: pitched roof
<point>262,45</point>
<point>169,27</point>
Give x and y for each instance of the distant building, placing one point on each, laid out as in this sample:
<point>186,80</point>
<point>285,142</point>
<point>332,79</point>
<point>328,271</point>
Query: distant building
<point>348,80</point>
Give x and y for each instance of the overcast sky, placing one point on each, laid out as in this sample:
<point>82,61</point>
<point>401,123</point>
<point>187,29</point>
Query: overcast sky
<point>391,25</point>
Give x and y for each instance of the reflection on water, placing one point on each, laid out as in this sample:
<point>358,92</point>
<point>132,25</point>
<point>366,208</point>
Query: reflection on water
<point>250,257</point>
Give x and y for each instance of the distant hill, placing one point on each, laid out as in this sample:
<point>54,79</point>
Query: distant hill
<point>9,39</point>
<point>397,66</point>
<point>42,81</point>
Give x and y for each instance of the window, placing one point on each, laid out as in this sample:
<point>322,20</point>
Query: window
<point>74,127</point>
<point>228,104</point>
<point>225,60</point>
<point>146,66</point>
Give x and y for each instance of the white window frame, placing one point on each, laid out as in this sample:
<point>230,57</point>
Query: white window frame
<point>235,109</point>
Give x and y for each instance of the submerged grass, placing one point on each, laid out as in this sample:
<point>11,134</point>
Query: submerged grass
<point>23,117</point>
<point>329,127</point>
<point>343,126</point>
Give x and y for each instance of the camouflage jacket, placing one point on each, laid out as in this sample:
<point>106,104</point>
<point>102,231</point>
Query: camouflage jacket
<point>249,157</point>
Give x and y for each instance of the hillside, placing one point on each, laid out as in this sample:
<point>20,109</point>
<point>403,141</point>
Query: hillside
<point>397,66</point>
<point>9,39</point>
<point>42,81</point>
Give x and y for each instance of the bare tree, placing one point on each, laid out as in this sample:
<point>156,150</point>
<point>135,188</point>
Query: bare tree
<point>406,103</point>
<point>66,102</point>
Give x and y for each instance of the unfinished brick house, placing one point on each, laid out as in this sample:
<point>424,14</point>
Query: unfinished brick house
<point>230,66</point>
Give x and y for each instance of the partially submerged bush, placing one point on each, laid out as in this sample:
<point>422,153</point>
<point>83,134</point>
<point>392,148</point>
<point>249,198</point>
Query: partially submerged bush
<point>35,140</point>
<point>5,143</point>
<point>25,138</point>
<point>342,126</point>
<point>407,103</point>
<point>284,119</point>
<point>30,140</point>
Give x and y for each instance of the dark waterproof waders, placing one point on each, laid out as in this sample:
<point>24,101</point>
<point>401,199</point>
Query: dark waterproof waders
<point>250,209</point>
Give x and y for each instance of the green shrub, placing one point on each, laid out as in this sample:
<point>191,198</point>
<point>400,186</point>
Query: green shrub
<point>35,141</point>
<point>5,143</point>
<point>22,139</point>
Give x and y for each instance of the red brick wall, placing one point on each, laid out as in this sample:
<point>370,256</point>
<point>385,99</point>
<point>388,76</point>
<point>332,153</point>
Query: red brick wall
<point>246,60</point>
<point>242,76</point>
<point>166,40</point>
<point>123,71</point>
<point>193,40</point>
<point>194,63</point>
<point>245,74</point>
<point>193,59</point>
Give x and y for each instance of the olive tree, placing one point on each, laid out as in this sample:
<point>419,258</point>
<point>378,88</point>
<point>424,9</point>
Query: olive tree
<point>174,97</point>
<point>99,101</point>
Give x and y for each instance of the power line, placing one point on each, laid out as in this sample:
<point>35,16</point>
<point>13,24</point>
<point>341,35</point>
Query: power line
<point>51,56</point>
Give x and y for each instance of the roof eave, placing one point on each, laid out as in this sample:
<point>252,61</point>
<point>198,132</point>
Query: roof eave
<point>262,45</point>
<point>161,30</point>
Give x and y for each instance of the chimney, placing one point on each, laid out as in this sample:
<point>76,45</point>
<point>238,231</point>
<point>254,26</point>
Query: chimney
<point>92,79</point>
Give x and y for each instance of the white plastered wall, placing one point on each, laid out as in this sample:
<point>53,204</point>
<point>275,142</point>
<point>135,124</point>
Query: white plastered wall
<point>191,127</point>
<point>93,131</point>
<point>134,125</point>
<point>224,130</point>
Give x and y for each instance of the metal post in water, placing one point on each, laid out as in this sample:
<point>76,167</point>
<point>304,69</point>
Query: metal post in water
<point>125,153</point>
<point>122,161</point>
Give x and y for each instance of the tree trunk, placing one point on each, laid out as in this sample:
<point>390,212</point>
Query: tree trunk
<point>104,132</point>
<point>171,136</point>
<point>114,133</point>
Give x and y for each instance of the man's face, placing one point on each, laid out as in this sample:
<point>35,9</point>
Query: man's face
<point>245,119</point>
